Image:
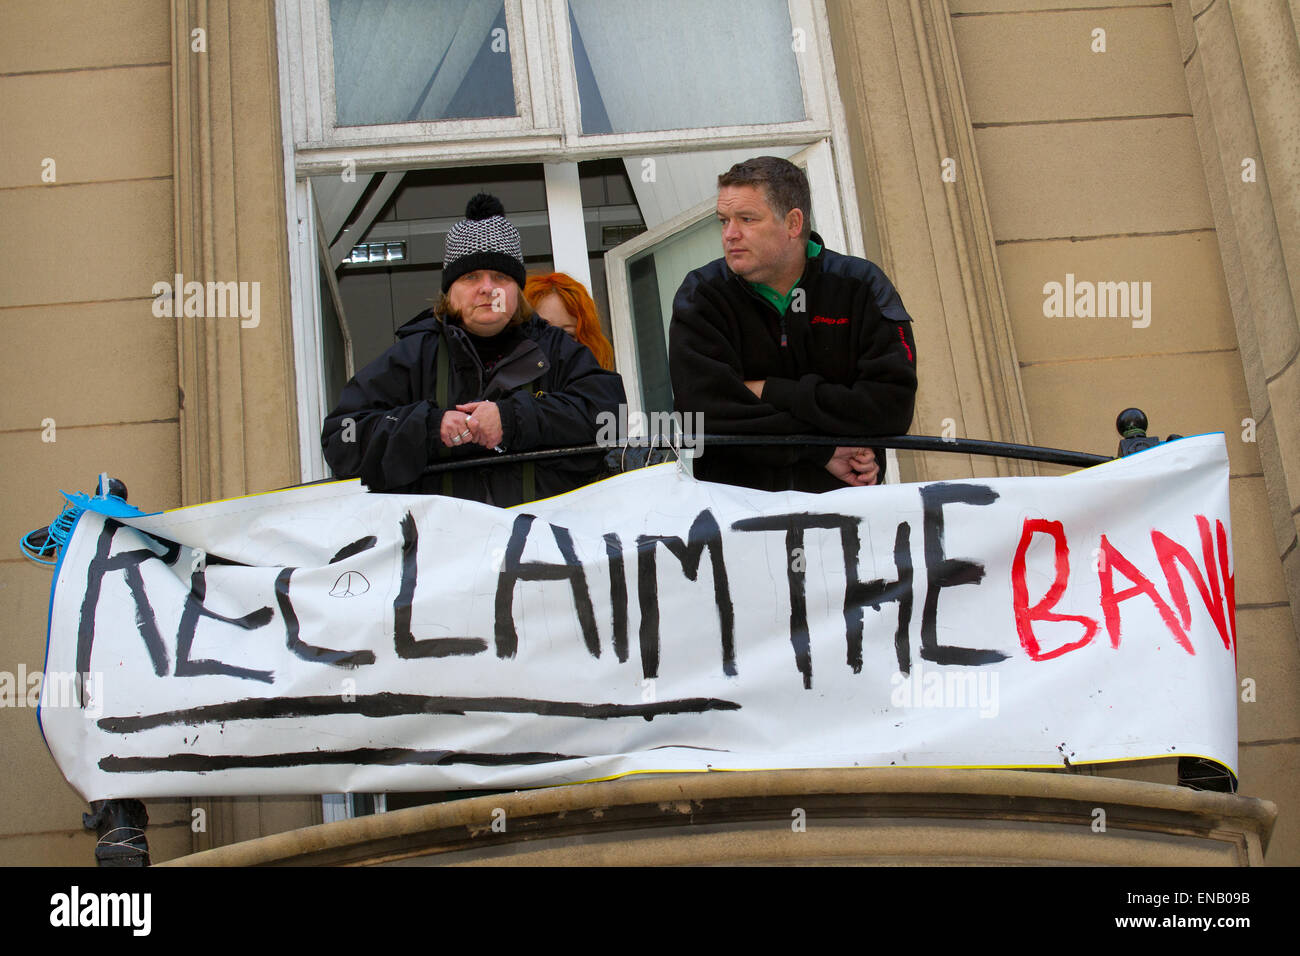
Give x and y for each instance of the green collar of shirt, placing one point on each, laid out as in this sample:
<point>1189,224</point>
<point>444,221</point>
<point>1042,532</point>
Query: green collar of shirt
<point>782,302</point>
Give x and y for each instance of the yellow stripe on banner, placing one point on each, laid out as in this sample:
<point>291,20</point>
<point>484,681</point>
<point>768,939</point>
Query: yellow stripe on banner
<point>255,494</point>
<point>344,481</point>
<point>910,766</point>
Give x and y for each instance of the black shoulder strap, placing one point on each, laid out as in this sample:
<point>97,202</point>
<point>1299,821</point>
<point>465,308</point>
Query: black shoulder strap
<point>443,391</point>
<point>444,370</point>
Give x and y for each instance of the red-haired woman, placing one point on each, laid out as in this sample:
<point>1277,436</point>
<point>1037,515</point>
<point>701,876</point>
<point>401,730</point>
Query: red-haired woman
<point>561,301</point>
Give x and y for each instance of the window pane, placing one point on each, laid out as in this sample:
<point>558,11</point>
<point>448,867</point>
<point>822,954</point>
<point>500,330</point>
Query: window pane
<point>402,61</point>
<point>653,278</point>
<point>683,64</point>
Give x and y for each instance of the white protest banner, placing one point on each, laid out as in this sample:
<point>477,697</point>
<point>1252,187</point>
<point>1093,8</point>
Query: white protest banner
<point>325,639</point>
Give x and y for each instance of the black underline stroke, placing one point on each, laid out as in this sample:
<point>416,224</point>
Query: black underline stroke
<point>373,756</point>
<point>398,705</point>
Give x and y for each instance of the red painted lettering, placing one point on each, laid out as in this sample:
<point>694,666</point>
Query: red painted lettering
<point>1171,553</point>
<point>1229,582</point>
<point>1042,611</point>
<point>1112,560</point>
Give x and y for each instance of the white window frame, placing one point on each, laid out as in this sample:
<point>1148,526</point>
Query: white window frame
<point>548,128</point>
<point>549,124</point>
<point>812,82</point>
<point>308,31</point>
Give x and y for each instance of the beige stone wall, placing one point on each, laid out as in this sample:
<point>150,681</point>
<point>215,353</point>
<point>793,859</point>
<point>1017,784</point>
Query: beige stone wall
<point>87,85</point>
<point>1092,166</point>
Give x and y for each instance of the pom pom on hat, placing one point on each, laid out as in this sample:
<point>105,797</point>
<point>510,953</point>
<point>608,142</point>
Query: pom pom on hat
<point>484,206</point>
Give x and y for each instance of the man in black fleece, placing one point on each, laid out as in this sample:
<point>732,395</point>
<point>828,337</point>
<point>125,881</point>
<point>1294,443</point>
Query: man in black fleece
<point>782,336</point>
<point>478,375</point>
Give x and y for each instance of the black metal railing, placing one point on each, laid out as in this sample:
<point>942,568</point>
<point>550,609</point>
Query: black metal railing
<point>960,446</point>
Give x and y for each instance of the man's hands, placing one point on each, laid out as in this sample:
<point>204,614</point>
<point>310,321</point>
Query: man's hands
<point>484,423</point>
<point>854,466</point>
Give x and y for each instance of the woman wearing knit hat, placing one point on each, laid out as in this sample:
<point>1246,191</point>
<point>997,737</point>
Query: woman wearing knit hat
<point>477,374</point>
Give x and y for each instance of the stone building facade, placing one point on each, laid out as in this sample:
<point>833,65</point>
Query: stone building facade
<point>984,149</point>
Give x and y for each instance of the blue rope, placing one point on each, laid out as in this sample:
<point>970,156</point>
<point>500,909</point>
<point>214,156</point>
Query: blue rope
<point>56,536</point>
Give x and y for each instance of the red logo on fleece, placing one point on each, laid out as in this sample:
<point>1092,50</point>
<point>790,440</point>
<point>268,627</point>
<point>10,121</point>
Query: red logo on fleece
<point>902,338</point>
<point>825,320</point>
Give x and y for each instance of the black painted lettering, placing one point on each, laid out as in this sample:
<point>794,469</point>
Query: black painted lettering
<point>704,533</point>
<point>858,594</point>
<point>794,525</point>
<point>513,570</point>
<point>403,640</point>
<point>128,562</point>
<point>944,572</point>
<point>617,593</point>
<point>310,652</point>
<point>356,547</point>
<point>194,610</point>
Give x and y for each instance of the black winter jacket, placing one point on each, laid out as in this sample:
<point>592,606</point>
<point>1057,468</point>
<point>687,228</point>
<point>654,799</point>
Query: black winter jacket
<point>847,366</point>
<point>549,390</point>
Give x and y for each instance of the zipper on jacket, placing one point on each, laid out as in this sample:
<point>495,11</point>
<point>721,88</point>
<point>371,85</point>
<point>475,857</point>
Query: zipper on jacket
<point>785,338</point>
<point>448,331</point>
<point>780,318</point>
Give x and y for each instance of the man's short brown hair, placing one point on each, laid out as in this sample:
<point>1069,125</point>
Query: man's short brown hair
<point>783,184</point>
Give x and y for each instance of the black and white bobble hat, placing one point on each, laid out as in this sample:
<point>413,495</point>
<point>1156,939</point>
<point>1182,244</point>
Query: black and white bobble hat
<point>484,239</point>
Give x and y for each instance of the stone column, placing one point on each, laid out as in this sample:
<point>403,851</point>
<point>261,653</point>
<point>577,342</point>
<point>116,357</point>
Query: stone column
<point>1242,61</point>
<point>238,417</point>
